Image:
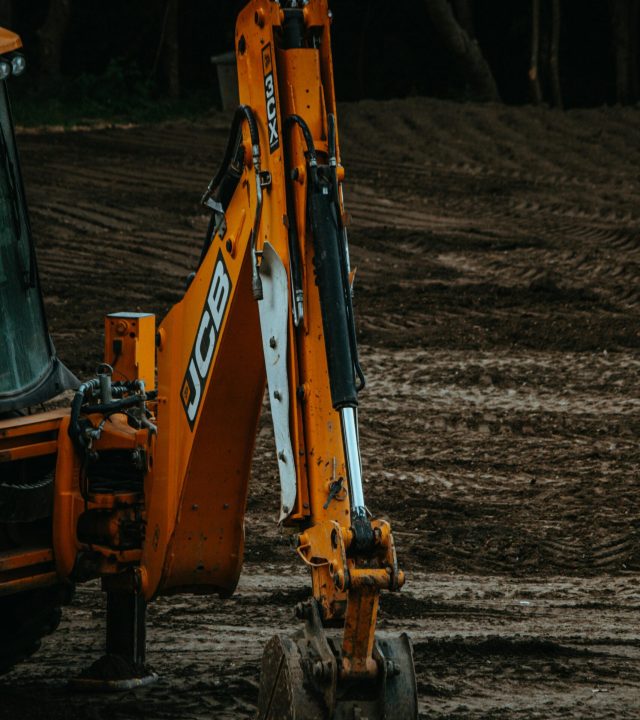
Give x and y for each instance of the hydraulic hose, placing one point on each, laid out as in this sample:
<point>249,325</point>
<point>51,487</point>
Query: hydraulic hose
<point>75,431</point>
<point>92,387</point>
<point>308,137</point>
<point>243,114</point>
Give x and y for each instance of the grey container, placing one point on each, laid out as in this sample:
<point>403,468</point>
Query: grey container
<point>227,79</point>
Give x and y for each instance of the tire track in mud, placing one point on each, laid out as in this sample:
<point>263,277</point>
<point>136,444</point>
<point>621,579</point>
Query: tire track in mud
<point>497,291</point>
<point>498,439</point>
<point>483,645</point>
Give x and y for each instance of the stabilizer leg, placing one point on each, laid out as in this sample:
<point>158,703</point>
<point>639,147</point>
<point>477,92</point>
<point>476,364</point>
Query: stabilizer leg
<point>123,666</point>
<point>126,626</point>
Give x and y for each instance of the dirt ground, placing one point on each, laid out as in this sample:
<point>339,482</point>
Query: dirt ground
<point>498,294</point>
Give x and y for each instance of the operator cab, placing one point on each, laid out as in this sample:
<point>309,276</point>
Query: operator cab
<point>30,372</point>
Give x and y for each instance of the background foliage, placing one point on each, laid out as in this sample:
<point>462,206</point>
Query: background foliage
<point>150,58</point>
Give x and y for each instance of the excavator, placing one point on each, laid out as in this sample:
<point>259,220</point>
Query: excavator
<point>142,479</point>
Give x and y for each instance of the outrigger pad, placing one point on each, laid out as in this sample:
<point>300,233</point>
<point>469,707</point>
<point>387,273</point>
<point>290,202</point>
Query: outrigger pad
<point>289,690</point>
<point>113,673</point>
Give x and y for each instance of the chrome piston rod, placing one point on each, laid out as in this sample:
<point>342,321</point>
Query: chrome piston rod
<point>349,421</point>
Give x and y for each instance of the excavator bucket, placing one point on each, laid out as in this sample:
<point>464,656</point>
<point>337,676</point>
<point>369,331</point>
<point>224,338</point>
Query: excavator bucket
<point>293,684</point>
<point>300,679</point>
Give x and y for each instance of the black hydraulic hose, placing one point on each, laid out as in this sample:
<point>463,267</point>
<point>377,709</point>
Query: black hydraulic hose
<point>242,114</point>
<point>222,195</point>
<point>308,137</point>
<point>294,247</point>
<point>246,112</point>
<point>256,282</point>
<point>89,388</point>
<point>112,406</point>
<point>75,431</point>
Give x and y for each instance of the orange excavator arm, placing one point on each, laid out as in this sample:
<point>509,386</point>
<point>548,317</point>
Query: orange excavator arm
<point>270,304</point>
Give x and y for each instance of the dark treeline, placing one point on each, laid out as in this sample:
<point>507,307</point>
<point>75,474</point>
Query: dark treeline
<point>562,52</point>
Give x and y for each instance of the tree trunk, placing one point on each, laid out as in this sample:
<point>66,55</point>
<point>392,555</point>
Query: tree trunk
<point>171,49</point>
<point>51,36</point>
<point>466,50</point>
<point>620,37</point>
<point>534,71</point>
<point>6,13</point>
<point>362,53</point>
<point>634,68</point>
<point>554,64</point>
<point>464,14</point>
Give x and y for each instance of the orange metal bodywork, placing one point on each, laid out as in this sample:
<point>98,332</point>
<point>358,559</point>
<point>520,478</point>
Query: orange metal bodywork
<point>196,490</point>
<point>26,569</point>
<point>30,436</point>
<point>129,347</point>
<point>25,438</point>
<point>72,500</point>
<point>9,41</point>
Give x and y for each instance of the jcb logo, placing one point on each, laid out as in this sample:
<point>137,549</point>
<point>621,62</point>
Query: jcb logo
<point>270,98</point>
<point>206,341</point>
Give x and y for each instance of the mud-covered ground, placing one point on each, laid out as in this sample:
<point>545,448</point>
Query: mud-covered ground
<point>498,292</point>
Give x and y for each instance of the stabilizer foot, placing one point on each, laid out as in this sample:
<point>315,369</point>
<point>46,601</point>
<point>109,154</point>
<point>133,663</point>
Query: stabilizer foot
<point>113,673</point>
<point>123,666</point>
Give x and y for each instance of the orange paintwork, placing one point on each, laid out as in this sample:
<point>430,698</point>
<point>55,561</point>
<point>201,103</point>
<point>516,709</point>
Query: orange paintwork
<point>192,541</point>
<point>71,500</point>
<point>197,487</point>
<point>29,582</point>
<point>9,41</point>
<point>68,504</point>
<point>12,559</point>
<point>30,436</point>
<point>130,347</point>
<point>26,569</point>
<point>23,438</point>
